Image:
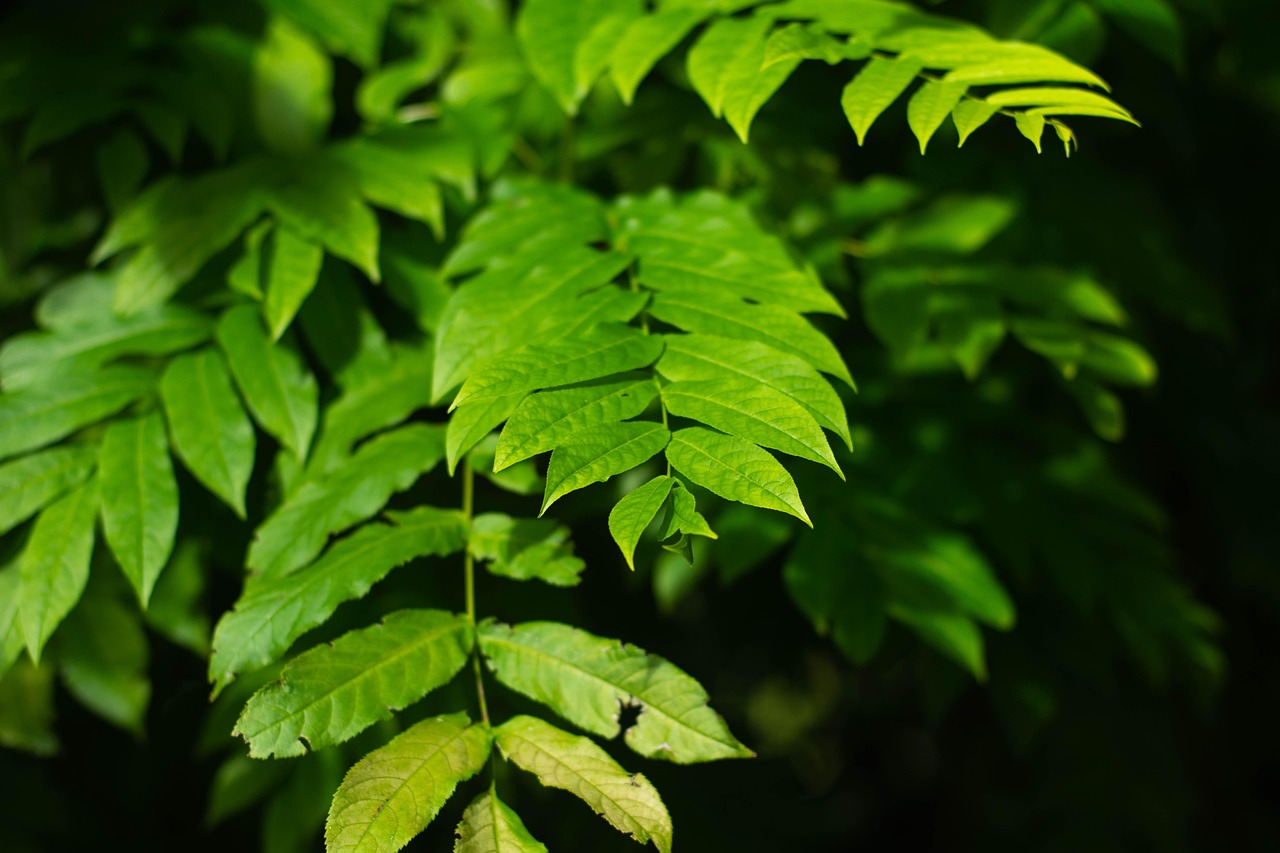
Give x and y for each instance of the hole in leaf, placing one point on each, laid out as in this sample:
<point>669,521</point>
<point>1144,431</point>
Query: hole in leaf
<point>629,714</point>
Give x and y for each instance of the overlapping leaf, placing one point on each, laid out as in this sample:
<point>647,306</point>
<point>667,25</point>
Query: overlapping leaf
<point>55,564</point>
<point>29,484</point>
<point>490,826</point>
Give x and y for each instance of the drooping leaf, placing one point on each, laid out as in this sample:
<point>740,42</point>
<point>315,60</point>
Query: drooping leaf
<point>588,679</point>
<point>552,32</point>
<point>971,114</point>
<point>293,267</point>
<point>490,826</point>
<point>392,793</point>
<point>602,351</point>
<point>39,416</point>
<point>29,484</point>
<point>875,87</point>
<point>560,760</point>
<point>548,419</point>
<point>350,493</point>
<point>634,513</point>
<point>335,691</point>
<point>930,106</point>
<point>277,386</point>
<point>598,453</point>
<point>209,428</point>
<point>102,657</point>
<point>322,202</point>
<point>272,613</point>
<point>55,564</point>
<point>811,41</point>
<point>725,67</point>
<point>683,518</point>
<point>734,469</point>
<point>139,499</point>
<point>525,548</point>
<point>645,41</point>
<point>753,412</point>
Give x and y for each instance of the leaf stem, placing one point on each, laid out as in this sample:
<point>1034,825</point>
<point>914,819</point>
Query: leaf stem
<point>469,580</point>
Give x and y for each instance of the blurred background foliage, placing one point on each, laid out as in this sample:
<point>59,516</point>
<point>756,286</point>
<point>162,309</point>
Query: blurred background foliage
<point>1039,614</point>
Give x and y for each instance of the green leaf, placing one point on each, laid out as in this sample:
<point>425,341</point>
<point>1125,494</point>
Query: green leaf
<point>588,679</point>
<point>272,613</point>
<point>139,499</point>
<point>645,41</point>
<point>735,470</point>
<point>1153,23</point>
<point>42,357</point>
<point>350,493</point>
<point>593,52</point>
<point>841,595</point>
<point>277,386</point>
<point>725,68</point>
<point>55,564</point>
<point>39,416</point>
<point>601,351</point>
<point>700,357</point>
<point>102,656</point>
<point>560,760</point>
<point>757,413</point>
<point>1040,96</point>
<point>1040,67</point>
<point>471,422</point>
<point>246,274</point>
<point>525,548</point>
<point>930,106</point>
<point>293,267</point>
<point>322,202</point>
<point>490,826</point>
<point>1031,126</point>
<point>950,633</point>
<point>352,32</point>
<point>971,114</point>
<point>26,709</point>
<point>596,454</point>
<point>12,643</point>
<point>632,515</point>
<point>875,87</point>
<point>392,793</point>
<point>333,692</point>
<point>767,324</point>
<point>552,34</point>
<point>811,41</point>
<point>683,518</point>
<point>122,163</point>
<point>177,607</point>
<point>548,419</point>
<point>29,484</point>
<point>291,84</point>
<point>208,427</point>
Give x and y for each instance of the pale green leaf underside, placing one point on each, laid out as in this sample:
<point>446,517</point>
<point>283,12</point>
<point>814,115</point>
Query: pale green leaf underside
<point>392,793</point>
<point>575,764</point>
<point>634,513</point>
<point>548,419</point>
<point>139,499</point>
<point>596,454</point>
<point>271,614</point>
<point>490,826</point>
<point>335,691</point>
<point>208,427</point>
<point>54,566</point>
<point>734,469</point>
<point>29,484</point>
<point>587,679</point>
<point>350,493</point>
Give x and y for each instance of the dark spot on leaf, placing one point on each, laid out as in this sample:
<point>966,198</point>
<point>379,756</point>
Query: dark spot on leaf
<point>306,744</point>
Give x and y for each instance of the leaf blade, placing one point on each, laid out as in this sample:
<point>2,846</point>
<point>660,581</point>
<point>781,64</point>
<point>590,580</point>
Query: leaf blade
<point>594,455</point>
<point>735,470</point>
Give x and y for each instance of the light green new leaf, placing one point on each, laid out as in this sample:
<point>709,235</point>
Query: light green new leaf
<point>726,68</point>
<point>601,351</point>
<point>575,764</point>
<point>811,41</point>
<point>1041,67</point>
<point>55,564</point>
<point>490,826</point>
<point>29,484</point>
<point>930,106</point>
<point>293,267</point>
<point>524,548</point>
<point>471,422</point>
<point>548,419</point>
<point>552,32</point>
<point>321,201</point>
<point>971,114</point>
<point>139,499</point>
<point>596,454</point>
<point>39,416</point>
<point>1050,96</point>
<point>772,325</point>
<point>277,386</point>
<point>632,515</point>
<point>719,359</point>
<point>272,613</point>
<point>757,413</point>
<point>392,793</point>
<point>645,41</point>
<point>208,427</point>
<point>102,655</point>
<point>336,690</point>
<point>352,492</point>
<point>875,87</point>
<point>734,469</point>
<point>1031,125</point>
<point>588,679</point>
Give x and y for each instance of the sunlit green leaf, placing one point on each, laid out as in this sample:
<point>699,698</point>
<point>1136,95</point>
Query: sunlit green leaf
<point>490,826</point>
<point>734,469</point>
<point>634,513</point>
<point>55,564</point>
<point>29,484</point>
<point>39,416</point>
<point>725,67</point>
<point>875,87</point>
<point>598,453</point>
